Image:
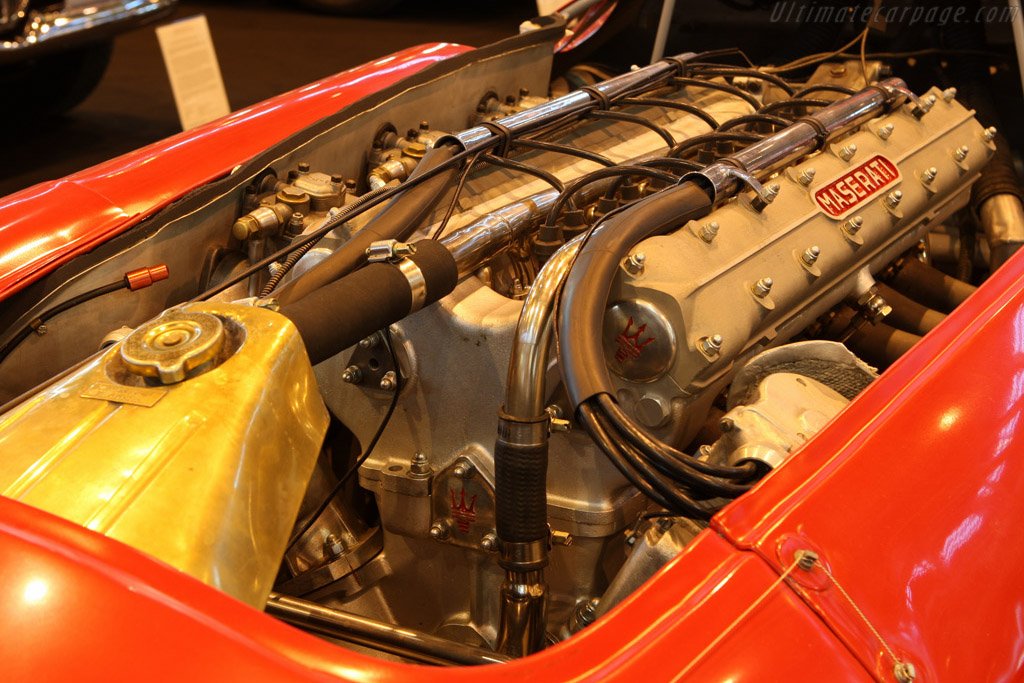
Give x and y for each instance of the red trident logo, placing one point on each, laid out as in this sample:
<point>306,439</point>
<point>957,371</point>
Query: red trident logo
<point>630,346</point>
<point>464,515</point>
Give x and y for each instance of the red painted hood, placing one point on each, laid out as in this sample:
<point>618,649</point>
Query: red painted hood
<point>49,224</point>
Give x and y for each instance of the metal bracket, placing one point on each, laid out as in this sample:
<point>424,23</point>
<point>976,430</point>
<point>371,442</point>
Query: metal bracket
<point>389,251</point>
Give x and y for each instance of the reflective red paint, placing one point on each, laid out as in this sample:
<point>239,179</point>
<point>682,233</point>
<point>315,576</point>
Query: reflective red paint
<point>48,224</point>
<point>914,496</point>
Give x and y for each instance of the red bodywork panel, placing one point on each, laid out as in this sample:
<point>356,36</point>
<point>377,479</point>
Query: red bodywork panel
<point>49,224</point>
<point>911,496</point>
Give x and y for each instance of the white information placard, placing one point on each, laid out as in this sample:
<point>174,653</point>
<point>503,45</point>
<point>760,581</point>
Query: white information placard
<point>192,66</point>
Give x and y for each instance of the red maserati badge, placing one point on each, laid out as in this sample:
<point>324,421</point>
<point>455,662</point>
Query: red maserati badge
<point>843,195</point>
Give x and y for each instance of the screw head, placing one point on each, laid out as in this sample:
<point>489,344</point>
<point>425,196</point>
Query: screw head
<point>905,672</point>
<point>762,287</point>
<point>709,231</point>
<point>847,152</point>
<point>961,153</point>
<point>989,134</point>
<point>885,131</point>
<point>806,559</point>
<point>893,199</point>
<point>811,255</point>
<point>853,225</point>
<point>949,94</point>
<point>807,177</point>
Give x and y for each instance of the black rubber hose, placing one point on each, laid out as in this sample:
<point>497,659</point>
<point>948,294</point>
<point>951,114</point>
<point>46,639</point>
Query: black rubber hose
<point>563,149</point>
<point>339,314</point>
<point>709,138</point>
<point>397,220</point>
<point>579,183</point>
<point>880,344</point>
<point>585,294</point>
<point>929,286</point>
<point>907,314</point>
<point>520,487</point>
<point>633,118</point>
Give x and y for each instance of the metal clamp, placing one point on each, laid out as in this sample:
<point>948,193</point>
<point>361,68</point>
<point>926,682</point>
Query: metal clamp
<point>390,251</point>
<point>397,253</point>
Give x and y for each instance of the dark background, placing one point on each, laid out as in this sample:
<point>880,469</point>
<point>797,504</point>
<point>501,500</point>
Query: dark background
<point>265,48</point>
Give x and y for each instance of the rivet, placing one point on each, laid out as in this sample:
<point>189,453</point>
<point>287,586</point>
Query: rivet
<point>811,255</point>
<point>893,199</point>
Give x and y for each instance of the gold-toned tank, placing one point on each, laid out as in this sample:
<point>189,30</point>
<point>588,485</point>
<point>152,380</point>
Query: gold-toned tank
<point>192,440</point>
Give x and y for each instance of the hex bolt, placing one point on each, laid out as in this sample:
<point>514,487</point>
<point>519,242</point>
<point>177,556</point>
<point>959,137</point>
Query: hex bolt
<point>961,153</point>
<point>387,382</point>
<point>709,231</point>
<point>635,263</point>
<point>853,226</point>
<point>949,94</point>
<point>989,134</point>
<point>893,199</point>
<point>807,177</point>
<point>905,672</point>
<point>929,175</point>
<point>464,470</point>
<point>772,191</point>
<point>847,152</point>
<point>439,531</point>
<point>712,345</point>
<point>806,559</point>
<point>489,541</point>
<point>929,102</point>
<point>352,375</point>
<point>810,255</point>
<point>419,465</point>
<point>333,547</point>
<point>885,131</point>
<point>762,287</point>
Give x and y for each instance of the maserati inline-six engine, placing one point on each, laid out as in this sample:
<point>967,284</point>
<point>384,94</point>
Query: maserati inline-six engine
<point>458,374</point>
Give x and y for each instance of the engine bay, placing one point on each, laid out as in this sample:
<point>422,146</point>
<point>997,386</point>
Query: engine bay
<point>460,373</point>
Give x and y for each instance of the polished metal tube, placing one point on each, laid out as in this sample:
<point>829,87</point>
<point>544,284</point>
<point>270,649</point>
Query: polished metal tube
<point>527,368</point>
<point>576,102</point>
<point>801,138</point>
<point>377,635</point>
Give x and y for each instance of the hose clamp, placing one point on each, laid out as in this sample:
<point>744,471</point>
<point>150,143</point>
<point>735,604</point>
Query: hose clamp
<point>397,254</point>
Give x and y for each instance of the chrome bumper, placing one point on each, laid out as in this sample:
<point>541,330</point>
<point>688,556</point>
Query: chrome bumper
<point>78,22</point>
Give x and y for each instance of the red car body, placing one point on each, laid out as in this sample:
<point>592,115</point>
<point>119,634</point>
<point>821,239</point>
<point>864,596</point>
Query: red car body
<point>912,497</point>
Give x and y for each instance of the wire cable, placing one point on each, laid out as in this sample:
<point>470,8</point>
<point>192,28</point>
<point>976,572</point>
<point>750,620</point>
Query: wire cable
<point>389,342</point>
